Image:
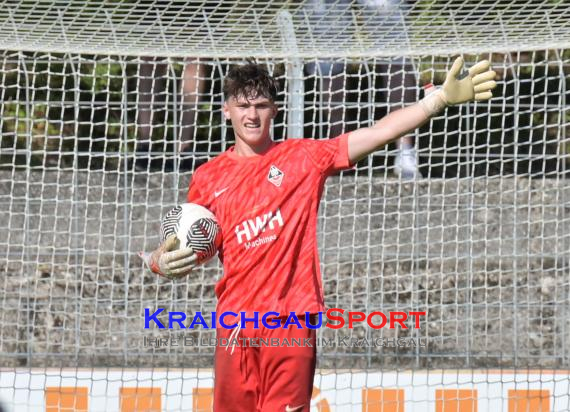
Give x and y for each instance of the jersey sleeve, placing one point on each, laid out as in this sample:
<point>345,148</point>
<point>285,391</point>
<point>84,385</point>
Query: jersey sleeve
<point>330,155</point>
<point>194,195</point>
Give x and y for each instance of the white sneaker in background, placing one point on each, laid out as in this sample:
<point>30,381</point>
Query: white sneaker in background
<point>406,164</point>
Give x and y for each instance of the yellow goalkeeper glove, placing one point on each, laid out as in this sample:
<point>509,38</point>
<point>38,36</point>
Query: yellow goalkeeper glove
<point>476,84</point>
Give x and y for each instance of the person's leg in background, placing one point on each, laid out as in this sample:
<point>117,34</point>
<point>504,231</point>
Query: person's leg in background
<point>326,19</point>
<point>388,17</point>
<point>401,87</point>
<point>329,82</point>
<point>193,85</point>
<point>150,85</point>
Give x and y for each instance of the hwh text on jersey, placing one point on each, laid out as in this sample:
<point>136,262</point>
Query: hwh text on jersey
<point>251,228</point>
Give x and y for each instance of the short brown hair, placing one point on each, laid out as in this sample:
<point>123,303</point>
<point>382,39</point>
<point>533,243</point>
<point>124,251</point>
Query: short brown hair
<point>250,80</point>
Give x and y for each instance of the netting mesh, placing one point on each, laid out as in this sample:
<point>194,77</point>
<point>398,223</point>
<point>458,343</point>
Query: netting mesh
<point>242,28</point>
<point>99,139</point>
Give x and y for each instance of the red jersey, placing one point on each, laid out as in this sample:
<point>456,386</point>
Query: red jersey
<point>267,207</point>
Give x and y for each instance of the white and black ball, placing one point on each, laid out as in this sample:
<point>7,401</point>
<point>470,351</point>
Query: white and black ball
<point>195,227</point>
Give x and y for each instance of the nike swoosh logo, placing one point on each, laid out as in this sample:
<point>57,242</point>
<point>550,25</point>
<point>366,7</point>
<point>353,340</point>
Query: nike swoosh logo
<point>219,192</point>
<point>293,408</point>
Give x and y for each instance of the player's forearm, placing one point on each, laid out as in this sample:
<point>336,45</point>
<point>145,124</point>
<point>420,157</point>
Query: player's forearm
<point>403,121</point>
<point>362,142</point>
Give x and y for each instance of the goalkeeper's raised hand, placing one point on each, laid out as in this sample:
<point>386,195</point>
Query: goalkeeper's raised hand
<point>169,262</point>
<point>476,84</point>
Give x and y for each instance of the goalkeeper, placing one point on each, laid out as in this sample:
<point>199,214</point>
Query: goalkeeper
<point>265,196</point>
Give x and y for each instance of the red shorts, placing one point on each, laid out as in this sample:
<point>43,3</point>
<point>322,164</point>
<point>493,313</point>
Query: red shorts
<point>265,378</point>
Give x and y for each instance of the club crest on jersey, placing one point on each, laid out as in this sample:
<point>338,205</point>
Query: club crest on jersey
<point>275,175</point>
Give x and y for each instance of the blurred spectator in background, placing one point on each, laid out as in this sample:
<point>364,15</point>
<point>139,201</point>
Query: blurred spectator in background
<point>383,22</point>
<point>152,91</point>
<point>194,16</point>
<point>327,19</point>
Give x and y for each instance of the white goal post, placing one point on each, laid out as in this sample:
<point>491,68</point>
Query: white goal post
<point>106,109</point>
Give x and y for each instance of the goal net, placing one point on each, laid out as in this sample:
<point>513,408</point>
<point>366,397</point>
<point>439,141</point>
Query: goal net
<point>106,109</point>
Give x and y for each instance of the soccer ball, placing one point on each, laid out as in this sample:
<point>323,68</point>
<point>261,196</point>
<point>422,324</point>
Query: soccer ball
<point>195,227</point>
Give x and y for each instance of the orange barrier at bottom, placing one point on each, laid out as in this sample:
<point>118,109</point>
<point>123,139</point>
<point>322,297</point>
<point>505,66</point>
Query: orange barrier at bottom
<point>140,399</point>
<point>382,400</point>
<point>203,399</point>
<point>66,399</point>
<point>149,399</point>
<point>537,400</point>
<point>456,400</point>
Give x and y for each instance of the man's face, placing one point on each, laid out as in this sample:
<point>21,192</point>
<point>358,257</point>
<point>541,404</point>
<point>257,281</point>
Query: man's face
<point>251,118</point>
